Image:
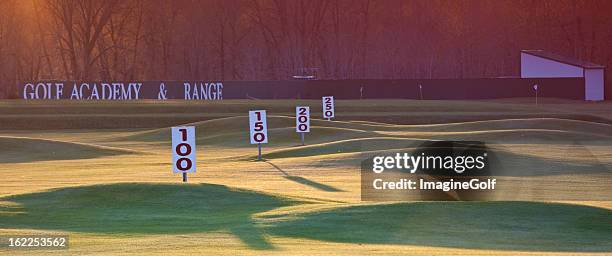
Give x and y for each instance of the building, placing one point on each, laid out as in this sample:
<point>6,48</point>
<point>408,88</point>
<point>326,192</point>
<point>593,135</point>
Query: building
<point>542,64</point>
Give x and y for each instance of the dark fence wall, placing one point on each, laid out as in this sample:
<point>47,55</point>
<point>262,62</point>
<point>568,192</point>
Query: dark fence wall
<point>438,89</point>
<point>569,88</point>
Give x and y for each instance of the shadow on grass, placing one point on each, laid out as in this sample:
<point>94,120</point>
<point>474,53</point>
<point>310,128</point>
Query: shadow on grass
<point>506,163</point>
<point>143,209</point>
<point>528,226</point>
<point>304,181</point>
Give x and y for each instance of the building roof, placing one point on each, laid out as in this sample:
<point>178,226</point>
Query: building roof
<point>562,59</point>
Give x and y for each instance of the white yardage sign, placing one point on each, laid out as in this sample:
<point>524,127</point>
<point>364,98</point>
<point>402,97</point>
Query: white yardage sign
<point>302,119</point>
<point>328,107</point>
<point>258,126</point>
<point>183,149</point>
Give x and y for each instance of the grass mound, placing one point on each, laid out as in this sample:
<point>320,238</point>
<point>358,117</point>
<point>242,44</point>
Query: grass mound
<point>527,226</point>
<point>234,132</point>
<point>345,146</point>
<point>526,123</point>
<point>500,161</point>
<point>19,150</point>
<point>493,123</point>
<point>512,136</point>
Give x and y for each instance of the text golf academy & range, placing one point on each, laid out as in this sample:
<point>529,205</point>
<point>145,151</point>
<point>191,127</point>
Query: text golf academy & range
<point>122,90</point>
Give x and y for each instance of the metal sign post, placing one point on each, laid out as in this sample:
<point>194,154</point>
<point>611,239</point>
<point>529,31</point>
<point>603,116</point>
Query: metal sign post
<point>259,151</point>
<point>535,87</point>
<point>421,91</point>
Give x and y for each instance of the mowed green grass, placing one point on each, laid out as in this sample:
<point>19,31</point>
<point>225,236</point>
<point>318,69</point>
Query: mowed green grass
<point>101,172</point>
<point>148,208</point>
<point>485,225</point>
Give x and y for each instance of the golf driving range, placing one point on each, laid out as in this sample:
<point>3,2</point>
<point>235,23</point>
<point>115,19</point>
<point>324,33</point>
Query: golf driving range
<point>102,173</point>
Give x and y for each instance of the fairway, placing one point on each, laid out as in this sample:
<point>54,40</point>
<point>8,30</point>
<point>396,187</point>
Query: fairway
<point>102,173</point>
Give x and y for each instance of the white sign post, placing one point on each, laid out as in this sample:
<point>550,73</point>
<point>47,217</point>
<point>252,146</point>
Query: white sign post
<point>328,107</point>
<point>259,129</point>
<point>421,91</point>
<point>535,87</point>
<point>183,150</point>
<point>302,121</point>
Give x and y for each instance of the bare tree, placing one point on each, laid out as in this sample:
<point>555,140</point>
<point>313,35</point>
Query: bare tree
<point>80,24</point>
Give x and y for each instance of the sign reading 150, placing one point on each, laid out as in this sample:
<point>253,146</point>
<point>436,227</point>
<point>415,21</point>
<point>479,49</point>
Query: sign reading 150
<point>258,126</point>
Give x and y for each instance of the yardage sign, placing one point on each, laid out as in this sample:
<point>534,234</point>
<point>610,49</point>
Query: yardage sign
<point>328,107</point>
<point>302,119</point>
<point>258,126</point>
<point>183,149</point>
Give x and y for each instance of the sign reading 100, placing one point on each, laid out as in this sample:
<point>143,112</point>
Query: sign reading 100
<point>183,149</point>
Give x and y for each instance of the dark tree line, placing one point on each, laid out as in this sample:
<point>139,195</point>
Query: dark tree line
<point>273,39</point>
